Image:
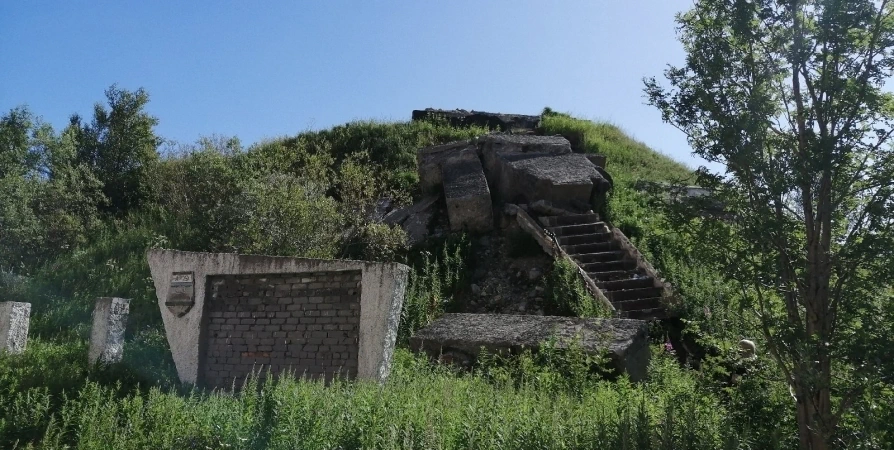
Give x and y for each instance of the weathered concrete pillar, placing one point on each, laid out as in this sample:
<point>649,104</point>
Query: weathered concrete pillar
<point>14,320</point>
<point>107,336</point>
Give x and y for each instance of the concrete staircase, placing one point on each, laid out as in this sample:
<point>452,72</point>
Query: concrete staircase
<point>612,262</point>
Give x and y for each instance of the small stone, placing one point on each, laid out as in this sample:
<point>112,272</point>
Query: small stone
<point>522,307</point>
<point>476,290</point>
<point>538,290</point>
<point>534,274</point>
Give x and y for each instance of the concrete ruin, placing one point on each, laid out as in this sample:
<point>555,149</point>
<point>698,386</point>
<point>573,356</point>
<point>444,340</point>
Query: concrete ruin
<point>509,168</point>
<point>494,121</point>
<point>465,335</point>
<point>15,318</point>
<point>226,315</point>
<point>107,334</point>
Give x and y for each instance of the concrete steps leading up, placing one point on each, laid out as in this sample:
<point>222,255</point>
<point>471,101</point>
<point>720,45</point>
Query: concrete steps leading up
<point>611,265</point>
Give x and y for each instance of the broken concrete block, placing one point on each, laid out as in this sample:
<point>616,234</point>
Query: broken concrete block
<point>494,146</point>
<point>493,121</point>
<point>14,320</point>
<point>468,197</point>
<point>564,180</point>
<point>312,317</point>
<point>431,160</point>
<point>107,335</point>
<point>625,340</point>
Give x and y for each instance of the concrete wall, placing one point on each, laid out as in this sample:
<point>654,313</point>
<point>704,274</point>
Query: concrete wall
<point>15,318</point>
<point>307,323</point>
<point>107,334</point>
<point>186,325</point>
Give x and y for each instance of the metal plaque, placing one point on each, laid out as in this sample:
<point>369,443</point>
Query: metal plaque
<point>181,295</point>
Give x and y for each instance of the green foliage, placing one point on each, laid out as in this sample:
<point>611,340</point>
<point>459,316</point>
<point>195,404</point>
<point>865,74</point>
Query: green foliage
<point>48,202</point>
<point>420,407</point>
<point>566,294</point>
<point>378,242</point>
<point>436,277</point>
<point>120,146</point>
<point>288,216</point>
<point>627,160</point>
<point>790,98</point>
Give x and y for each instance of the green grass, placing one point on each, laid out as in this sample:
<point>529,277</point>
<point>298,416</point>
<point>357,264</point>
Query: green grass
<point>627,160</point>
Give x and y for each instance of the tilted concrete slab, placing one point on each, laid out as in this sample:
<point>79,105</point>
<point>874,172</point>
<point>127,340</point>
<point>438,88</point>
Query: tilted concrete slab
<point>431,160</point>
<point>15,318</point>
<point>467,195</point>
<point>107,334</point>
<point>625,340</point>
<point>565,180</point>
<point>187,283</point>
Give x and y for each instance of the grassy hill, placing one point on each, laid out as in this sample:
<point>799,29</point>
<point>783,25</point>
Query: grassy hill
<point>297,196</point>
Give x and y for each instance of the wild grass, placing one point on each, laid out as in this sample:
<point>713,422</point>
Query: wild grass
<point>421,406</point>
<point>628,160</point>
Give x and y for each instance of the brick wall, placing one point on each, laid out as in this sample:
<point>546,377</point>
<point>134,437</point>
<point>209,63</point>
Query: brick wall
<point>305,322</point>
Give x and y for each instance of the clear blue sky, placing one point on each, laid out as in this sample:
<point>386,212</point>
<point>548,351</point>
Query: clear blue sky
<point>267,69</point>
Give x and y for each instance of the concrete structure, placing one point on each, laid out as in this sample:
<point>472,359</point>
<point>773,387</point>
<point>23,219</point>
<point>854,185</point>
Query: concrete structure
<point>107,335</point>
<point>14,320</point>
<point>626,341</point>
<point>493,121</point>
<point>565,180</point>
<point>431,161</point>
<point>316,317</point>
<point>467,195</point>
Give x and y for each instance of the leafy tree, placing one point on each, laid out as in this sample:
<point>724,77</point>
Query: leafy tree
<point>121,148</point>
<point>48,202</point>
<point>788,96</point>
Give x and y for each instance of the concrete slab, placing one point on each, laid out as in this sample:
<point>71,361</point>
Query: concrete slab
<point>15,318</point>
<point>431,160</point>
<point>625,340</point>
<point>468,196</point>
<point>107,334</point>
<point>565,180</point>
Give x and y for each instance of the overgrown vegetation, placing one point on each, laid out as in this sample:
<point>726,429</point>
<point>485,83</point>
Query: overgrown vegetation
<point>65,239</point>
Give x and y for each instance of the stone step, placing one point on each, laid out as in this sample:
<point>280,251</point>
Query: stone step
<point>638,304</point>
<point>593,238</point>
<point>576,219</point>
<point>646,314</point>
<point>622,264</point>
<point>630,283</point>
<point>583,249</point>
<point>574,230</point>
<point>599,257</point>
<point>632,294</point>
<point>613,275</point>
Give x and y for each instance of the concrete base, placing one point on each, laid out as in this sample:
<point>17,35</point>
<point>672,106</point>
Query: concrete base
<point>625,340</point>
<point>107,335</point>
<point>14,320</point>
<point>381,298</point>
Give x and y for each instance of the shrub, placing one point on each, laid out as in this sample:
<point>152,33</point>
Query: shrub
<point>566,294</point>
